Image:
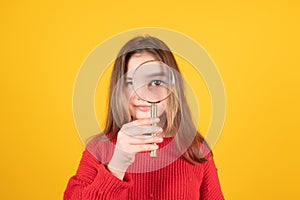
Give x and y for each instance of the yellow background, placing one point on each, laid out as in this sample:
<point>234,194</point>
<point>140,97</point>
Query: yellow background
<point>255,46</point>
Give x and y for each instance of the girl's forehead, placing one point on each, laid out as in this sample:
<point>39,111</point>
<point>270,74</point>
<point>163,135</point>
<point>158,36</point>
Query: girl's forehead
<point>138,58</point>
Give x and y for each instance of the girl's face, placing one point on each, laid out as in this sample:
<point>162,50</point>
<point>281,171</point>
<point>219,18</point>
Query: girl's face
<point>139,108</point>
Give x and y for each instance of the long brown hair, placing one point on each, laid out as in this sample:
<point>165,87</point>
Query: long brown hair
<point>178,117</point>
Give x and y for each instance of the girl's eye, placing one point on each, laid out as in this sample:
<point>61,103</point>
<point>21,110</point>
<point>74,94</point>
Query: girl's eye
<point>128,82</point>
<point>156,83</point>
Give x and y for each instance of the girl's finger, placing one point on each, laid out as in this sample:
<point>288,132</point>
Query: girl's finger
<point>143,147</point>
<point>141,130</point>
<point>144,140</point>
<point>145,121</point>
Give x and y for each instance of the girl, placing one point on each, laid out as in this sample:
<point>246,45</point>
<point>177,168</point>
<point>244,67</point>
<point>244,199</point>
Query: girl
<point>116,163</point>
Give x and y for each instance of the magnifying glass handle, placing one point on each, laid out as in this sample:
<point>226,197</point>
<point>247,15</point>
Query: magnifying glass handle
<point>153,115</point>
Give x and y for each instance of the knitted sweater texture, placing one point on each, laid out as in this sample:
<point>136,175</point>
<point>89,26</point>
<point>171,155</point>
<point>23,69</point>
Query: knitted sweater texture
<point>174,179</point>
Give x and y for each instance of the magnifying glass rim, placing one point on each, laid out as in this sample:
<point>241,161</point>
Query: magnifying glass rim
<point>158,61</point>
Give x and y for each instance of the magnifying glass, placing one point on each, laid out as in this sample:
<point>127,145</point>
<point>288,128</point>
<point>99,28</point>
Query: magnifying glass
<point>153,81</point>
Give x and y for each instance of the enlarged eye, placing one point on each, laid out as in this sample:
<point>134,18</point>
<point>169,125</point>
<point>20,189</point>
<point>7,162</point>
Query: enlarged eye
<point>155,83</point>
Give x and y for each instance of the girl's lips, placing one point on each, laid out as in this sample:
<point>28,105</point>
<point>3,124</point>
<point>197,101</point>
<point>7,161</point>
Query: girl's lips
<point>143,107</point>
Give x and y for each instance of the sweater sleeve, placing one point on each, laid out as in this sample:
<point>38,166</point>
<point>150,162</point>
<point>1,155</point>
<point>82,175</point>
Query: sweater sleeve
<point>210,187</point>
<point>93,181</point>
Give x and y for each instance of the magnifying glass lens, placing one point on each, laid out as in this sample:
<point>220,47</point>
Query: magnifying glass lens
<point>153,81</point>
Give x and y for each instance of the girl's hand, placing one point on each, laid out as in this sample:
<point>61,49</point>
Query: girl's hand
<point>134,137</point>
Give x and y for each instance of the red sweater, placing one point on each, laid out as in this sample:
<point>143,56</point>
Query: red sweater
<point>174,179</point>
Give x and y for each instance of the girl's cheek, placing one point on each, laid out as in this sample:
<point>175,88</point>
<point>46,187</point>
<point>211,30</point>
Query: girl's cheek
<point>162,107</point>
<point>128,93</point>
